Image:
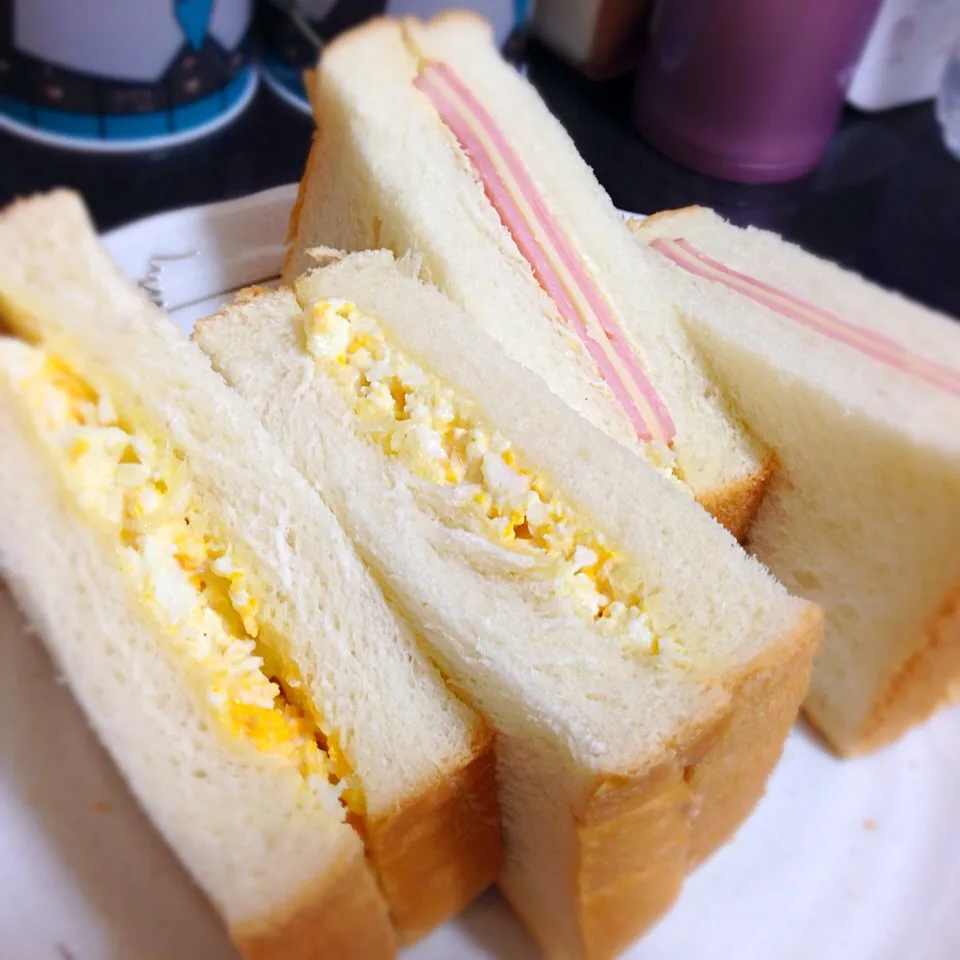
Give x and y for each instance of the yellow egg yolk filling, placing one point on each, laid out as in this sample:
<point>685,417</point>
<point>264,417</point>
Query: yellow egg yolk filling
<point>136,487</point>
<point>440,436</point>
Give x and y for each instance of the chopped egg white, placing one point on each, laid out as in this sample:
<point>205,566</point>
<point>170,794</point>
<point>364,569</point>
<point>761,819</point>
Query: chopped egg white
<point>439,435</point>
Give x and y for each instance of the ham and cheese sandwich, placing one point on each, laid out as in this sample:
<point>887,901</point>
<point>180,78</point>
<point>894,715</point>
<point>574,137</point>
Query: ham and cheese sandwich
<point>428,141</point>
<point>857,391</point>
<point>640,670</point>
<point>272,714</point>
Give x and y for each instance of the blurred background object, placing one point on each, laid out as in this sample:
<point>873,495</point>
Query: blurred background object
<point>505,16</point>
<point>748,90</point>
<point>948,99</point>
<point>905,54</point>
<point>601,38</point>
<point>884,199</point>
<point>292,30</point>
<point>123,74</point>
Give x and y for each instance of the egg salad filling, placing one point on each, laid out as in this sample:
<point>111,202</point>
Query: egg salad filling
<point>418,417</point>
<point>137,488</point>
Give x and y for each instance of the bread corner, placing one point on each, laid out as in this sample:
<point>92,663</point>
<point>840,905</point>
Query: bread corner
<point>340,915</point>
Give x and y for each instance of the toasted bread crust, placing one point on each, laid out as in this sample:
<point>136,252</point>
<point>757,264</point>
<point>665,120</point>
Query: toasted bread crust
<point>634,837</point>
<point>341,916</point>
<point>925,681</point>
<point>731,777</point>
<point>666,823</point>
<point>440,849</point>
<point>631,835</point>
<point>639,838</point>
<point>735,506</point>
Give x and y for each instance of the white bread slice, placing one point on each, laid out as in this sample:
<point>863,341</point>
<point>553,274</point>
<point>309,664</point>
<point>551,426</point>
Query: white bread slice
<point>617,771</point>
<point>423,761</point>
<point>864,517</point>
<point>384,171</point>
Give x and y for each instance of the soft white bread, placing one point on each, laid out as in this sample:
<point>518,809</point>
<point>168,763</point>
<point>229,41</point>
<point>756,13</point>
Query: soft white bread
<point>864,517</point>
<point>618,769</point>
<point>421,760</point>
<point>385,171</point>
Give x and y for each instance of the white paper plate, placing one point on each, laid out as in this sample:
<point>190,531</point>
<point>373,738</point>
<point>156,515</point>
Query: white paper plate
<point>856,860</point>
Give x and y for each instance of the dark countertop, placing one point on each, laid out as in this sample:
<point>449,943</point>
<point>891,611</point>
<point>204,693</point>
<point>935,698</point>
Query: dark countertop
<point>885,200</point>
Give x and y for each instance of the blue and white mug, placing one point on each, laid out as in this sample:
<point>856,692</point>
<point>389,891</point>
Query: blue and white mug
<point>123,74</point>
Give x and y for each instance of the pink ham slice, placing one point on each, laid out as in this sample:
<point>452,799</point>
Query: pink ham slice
<point>868,342</point>
<point>549,252</point>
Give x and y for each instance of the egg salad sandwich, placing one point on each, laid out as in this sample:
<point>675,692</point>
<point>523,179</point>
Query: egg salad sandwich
<point>428,140</point>
<point>857,391</point>
<point>640,670</point>
<point>275,718</point>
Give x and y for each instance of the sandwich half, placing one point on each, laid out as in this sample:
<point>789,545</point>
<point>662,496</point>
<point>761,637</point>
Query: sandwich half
<point>428,140</point>
<point>640,671</point>
<point>857,391</point>
<point>273,715</point>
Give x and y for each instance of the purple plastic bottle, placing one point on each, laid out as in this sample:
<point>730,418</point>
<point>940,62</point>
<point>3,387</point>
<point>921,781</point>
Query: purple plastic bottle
<point>748,90</point>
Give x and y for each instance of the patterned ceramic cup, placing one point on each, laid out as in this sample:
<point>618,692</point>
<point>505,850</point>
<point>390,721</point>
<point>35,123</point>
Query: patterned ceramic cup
<point>123,74</point>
